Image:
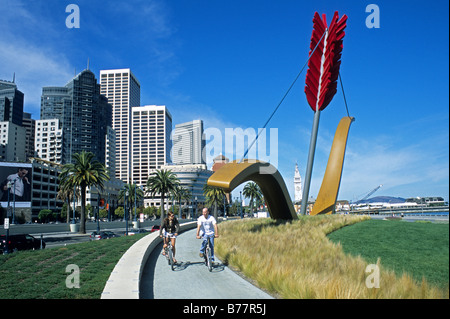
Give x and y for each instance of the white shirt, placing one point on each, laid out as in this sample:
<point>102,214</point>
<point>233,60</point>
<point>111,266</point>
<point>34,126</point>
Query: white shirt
<point>207,225</point>
<point>18,186</point>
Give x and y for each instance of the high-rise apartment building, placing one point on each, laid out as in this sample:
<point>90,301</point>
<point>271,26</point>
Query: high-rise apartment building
<point>110,162</point>
<point>29,125</point>
<point>188,143</point>
<point>48,140</point>
<point>84,115</point>
<point>122,89</point>
<point>12,146</point>
<point>152,128</point>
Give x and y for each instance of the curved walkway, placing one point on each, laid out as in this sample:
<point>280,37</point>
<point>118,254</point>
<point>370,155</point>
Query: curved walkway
<point>191,279</point>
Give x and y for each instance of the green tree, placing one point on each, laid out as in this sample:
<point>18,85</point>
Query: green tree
<point>162,182</point>
<point>251,190</point>
<point>214,197</point>
<point>83,172</point>
<point>45,215</point>
<point>119,212</point>
<point>133,191</point>
<point>103,213</point>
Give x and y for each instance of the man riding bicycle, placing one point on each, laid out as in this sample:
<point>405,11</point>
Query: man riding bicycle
<point>207,227</point>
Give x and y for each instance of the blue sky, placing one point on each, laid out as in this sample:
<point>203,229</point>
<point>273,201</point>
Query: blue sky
<point>230,62</point>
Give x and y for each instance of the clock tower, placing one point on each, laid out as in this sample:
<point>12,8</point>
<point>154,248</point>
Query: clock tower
<point>297,185</point>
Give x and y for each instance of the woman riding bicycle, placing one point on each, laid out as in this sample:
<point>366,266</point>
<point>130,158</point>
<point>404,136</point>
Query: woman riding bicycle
<point>169,229</point>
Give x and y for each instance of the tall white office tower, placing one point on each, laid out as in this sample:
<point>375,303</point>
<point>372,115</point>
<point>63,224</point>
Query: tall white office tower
<point>123,91</point>
<point>152,128</point>
<point>188,143</point>
<point>297,185</point>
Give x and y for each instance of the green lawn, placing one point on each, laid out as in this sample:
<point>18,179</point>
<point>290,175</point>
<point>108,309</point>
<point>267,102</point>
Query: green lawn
<point>42,273</point>
<point>420,249</point>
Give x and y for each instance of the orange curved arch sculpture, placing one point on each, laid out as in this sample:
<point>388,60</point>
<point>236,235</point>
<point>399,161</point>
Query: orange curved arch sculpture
<point>273,186</point>
<point>326,200</point>
<point>268,179</point>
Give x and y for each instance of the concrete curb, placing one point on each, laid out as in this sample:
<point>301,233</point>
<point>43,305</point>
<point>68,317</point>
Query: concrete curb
<point>124,281</point>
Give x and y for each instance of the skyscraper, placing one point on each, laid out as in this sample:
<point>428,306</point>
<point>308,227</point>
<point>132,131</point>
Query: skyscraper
<point>11,103</point>
<point>29,125</point>
<point>122,89</point>
<point>152,127</point>
<point>85,115</point>
<point>188,143</point>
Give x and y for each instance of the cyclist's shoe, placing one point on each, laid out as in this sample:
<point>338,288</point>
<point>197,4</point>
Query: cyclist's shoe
<point>201,255</point>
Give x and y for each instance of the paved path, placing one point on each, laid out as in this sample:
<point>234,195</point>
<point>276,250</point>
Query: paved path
<point>191,279</point>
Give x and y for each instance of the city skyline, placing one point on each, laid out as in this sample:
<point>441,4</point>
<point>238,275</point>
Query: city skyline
<point>230,64</point>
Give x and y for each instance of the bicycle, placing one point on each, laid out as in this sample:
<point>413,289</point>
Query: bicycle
<point>169,255</point>
<point>208,254</point>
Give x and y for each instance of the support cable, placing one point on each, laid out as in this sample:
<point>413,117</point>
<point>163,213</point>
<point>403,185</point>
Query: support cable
<point>343,93</point>
<point>287,92</point>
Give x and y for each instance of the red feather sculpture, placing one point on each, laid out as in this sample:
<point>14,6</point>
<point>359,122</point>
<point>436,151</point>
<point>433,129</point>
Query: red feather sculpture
<point>324,63</point>
<point>321,78</point>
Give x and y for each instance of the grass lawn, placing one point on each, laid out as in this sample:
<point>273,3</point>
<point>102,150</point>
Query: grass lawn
<point>420,249</point>
<point>298,260</point>
<point>41,274</point>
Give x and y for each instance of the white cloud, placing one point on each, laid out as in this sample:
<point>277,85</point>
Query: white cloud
<point>34,68</point>
<point>404,171</point>
<point>34,62</point>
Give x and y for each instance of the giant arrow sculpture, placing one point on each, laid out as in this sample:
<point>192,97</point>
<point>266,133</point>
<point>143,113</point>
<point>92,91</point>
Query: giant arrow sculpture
<point>321,78</point>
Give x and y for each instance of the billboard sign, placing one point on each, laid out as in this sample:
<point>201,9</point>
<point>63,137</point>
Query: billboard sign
<point>15,184</point>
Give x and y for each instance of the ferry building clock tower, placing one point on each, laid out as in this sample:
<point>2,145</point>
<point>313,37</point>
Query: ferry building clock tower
<point>297,185</point>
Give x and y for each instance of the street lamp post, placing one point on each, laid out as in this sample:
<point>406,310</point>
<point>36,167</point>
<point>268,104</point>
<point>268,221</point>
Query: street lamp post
<point>8,213</point>
<point>74,203</point>
<point>108,208</point>
<point>98,212</point>
<point>14,202</point>
<point>125,213</point>
<point>224,207</point>
<point>240,204</point>
<point>135,195</point>
<point>195,216</point>
<point>179,208</point>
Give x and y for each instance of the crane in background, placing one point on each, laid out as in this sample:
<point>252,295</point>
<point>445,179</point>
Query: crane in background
<point>369,194</point>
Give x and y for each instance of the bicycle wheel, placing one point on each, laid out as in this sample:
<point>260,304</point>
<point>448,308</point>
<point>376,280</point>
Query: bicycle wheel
<point>170,259</point>
<point>208,259</point>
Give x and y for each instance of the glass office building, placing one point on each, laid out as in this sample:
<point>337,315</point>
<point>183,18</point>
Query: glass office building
<point>11,103</point>
<point>85,115</point>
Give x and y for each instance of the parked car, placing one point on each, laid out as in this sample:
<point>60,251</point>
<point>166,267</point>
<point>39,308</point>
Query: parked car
<point>137,231</point>
<point>155,228</point>
<point>102,235</point>
<point>110,234</point>
<point>20,242</point>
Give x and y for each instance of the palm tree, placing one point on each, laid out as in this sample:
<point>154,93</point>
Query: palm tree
<point>83,172</point>
<point>253,191</point>
<point>133,190</point>
<point>162,182</point>
<point>181,194</point>
<point>214,196</point>
<point>66,193</point>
